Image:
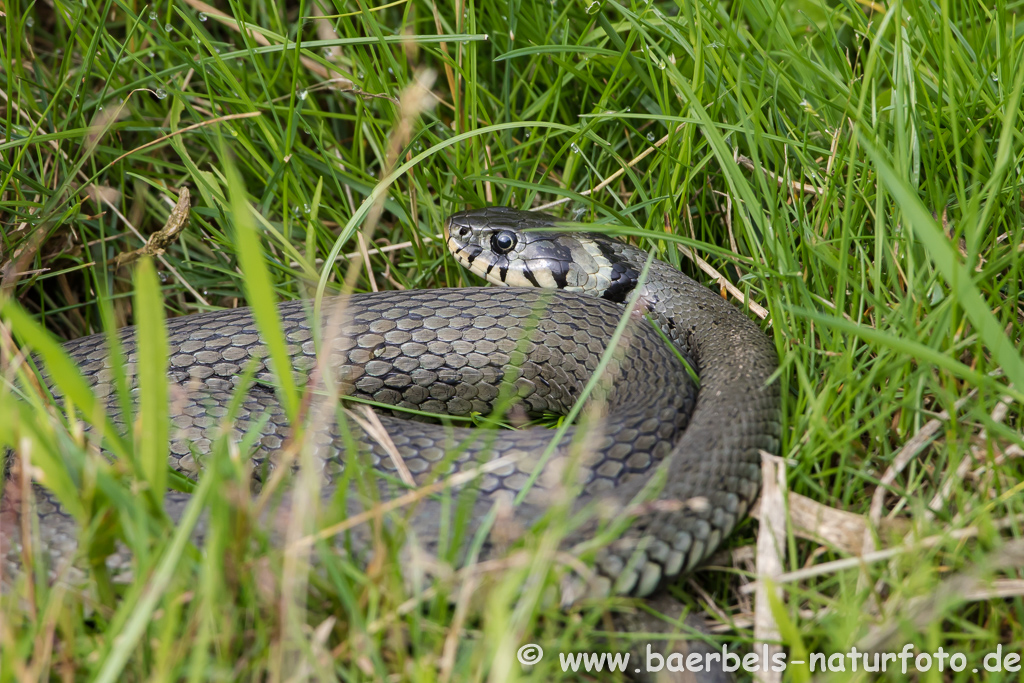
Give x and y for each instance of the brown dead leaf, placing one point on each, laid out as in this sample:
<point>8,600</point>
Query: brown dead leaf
<point>163,237</point>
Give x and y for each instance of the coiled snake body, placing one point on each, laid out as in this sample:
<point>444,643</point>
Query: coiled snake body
<point>460,351</point>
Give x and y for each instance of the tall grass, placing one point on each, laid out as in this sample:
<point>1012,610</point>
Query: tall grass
<point>853,167</point>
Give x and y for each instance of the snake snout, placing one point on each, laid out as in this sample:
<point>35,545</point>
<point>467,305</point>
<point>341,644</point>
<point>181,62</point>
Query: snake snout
<point>458,227</point>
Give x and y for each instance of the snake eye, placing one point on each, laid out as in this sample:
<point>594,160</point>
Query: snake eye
<point>503,242</point>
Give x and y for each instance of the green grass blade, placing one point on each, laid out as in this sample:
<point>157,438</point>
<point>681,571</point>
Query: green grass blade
<point>151,367</point>
<point>956,274</point>
<point>62,372</point>
<point>260,293</point>
<point>136,615</point>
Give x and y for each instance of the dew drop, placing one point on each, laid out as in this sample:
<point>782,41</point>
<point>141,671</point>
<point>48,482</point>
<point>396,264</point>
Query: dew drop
<point>206,292</point>
<point>302,93</point>
<point>168,28</point>
<point>153,16</point>
<point>30,21</point>
<point>99,108</point>
<point>391,71</point>
<point>995,78</point>
<point>305,208</point>
<point>575,148</point>
<point>650,137</point>
<point>202,16</point>
<point>160,93</point>
<point>306,130</point>
<point>526,136</point>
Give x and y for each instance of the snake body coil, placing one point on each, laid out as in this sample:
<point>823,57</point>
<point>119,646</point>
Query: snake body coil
<point>459,352</point>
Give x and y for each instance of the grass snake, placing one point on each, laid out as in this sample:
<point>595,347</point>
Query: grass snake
<point>461,351</point>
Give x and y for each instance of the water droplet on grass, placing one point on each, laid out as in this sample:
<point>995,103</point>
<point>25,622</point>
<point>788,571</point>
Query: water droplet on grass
<point>160,93</point>
<point>202,16</point>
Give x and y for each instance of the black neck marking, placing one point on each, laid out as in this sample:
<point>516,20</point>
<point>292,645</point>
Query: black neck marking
<point>559,272</point>
<point>623,276</point>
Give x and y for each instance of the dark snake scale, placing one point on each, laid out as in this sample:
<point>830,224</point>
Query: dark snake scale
<point>458,352</point>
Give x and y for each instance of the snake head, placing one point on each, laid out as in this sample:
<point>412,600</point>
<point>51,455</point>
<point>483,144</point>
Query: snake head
<point>515,248</point>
